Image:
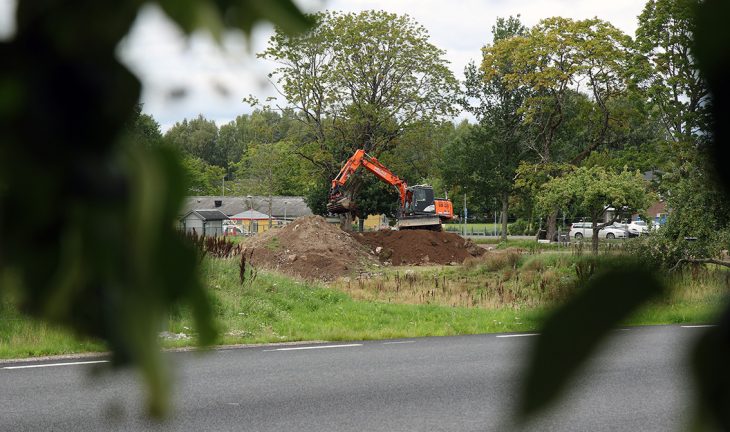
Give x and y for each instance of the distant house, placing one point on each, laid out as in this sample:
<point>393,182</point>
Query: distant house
<point>252,221</point>
<point>206,222</point>
<point>657,212</point>
<point>281,208</point>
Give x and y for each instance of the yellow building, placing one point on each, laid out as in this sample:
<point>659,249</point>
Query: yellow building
<point>376,222</point>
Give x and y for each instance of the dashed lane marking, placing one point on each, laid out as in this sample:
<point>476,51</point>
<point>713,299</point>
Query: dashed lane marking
<point>314,347</point>
<point>518,335</point>
<point>55,364</point>
<point>398,342</point>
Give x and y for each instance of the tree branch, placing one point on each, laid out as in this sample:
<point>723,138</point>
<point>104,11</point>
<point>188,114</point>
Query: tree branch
<point>700,261</point>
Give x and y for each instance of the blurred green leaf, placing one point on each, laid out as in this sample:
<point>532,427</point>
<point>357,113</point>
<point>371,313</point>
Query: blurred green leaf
<point>217,15</point>
<point>97,250</point>
<point>574,331</point>
<point>711,356</point>
<point>710,359</point>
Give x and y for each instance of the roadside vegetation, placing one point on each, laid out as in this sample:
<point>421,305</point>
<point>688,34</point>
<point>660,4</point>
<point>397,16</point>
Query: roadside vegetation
<point>510,289</point>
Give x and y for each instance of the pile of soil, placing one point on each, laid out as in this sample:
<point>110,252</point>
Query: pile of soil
<point>412,247</point>
<point>309,248</point>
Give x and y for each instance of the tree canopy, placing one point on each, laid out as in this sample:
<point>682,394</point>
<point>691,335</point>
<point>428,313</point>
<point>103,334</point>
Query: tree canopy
<point>360,80</point>
<point>593,192</point>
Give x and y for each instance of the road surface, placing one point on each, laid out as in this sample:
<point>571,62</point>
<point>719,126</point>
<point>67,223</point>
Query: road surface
<point>466,383</point>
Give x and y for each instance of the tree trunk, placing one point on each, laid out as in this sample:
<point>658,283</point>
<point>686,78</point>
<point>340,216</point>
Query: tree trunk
<point>360,224</point>
<point>594,238</point>
<point>552,225</point>
<point>346,222</point>
<point>505,210</point>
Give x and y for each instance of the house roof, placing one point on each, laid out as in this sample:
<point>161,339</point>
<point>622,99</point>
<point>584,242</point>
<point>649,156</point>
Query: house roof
<point>231,205</point>
<point>207,214</point>
<point>250,215</point>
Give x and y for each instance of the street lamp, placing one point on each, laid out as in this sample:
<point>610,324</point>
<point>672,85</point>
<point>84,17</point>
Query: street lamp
<point>285,204</point>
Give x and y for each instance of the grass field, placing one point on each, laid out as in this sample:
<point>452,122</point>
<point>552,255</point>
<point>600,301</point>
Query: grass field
<point>504,291</point>
<point>479,228</point>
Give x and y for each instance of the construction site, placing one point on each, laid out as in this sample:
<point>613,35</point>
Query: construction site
<point>311,248</point>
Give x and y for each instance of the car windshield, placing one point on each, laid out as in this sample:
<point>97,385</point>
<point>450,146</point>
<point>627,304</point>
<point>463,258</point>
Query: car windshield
<point>640,223</point>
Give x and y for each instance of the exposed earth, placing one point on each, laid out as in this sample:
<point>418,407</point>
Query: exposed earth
<point>409,247</point>
<point>311,248</point>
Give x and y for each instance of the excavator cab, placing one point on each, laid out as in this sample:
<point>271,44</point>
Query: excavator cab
<point>423,211</point>
<point>422,202</point>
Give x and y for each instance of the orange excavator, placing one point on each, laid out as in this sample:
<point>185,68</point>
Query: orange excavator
<point>418,209</point>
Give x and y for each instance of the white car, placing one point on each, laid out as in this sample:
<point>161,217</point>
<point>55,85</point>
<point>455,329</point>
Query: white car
<point>637,228</point>
<point>580,230</point>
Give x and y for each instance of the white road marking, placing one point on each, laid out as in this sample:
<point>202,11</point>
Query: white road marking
<point>55,364</point>
<point>518,335</point>
<point>314,347</point>
<point>398,342</point>
<point>699,326</point>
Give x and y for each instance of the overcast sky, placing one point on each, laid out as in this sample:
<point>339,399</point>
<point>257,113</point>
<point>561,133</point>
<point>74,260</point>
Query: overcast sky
<point>217,78</point>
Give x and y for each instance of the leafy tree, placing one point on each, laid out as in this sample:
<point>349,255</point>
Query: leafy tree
<point>143,129</point>
<point>202,177</point>
<point>360,81</point>
<point>116,285</point>
<point>529,180</point>
<point>199,138</point>
<point>594,191</point>
<point>492,151</point>
<point>270,169</point>
<point>674,84</point>
<point>682,97</point>
<point>556,60</point>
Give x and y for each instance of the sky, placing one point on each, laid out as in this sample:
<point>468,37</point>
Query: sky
<point>217,78</point>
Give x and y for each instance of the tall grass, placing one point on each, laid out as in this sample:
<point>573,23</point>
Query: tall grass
<point>21,336</point>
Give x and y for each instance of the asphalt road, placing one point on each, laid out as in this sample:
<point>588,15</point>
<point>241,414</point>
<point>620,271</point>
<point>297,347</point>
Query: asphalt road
<point>467,383</point>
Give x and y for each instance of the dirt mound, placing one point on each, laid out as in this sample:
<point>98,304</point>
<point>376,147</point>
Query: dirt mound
<point>419,247</point>
<point>309,248</point>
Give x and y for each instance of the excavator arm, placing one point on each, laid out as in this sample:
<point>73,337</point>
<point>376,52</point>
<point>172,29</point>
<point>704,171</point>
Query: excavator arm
<point>339,198</point>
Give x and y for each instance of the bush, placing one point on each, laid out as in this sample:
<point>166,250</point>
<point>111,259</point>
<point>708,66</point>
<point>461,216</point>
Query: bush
<point>521,227</point>
<point>666,247</point>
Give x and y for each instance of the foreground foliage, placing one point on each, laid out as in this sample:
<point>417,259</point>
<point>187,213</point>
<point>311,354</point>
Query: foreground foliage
<point>99,253</point>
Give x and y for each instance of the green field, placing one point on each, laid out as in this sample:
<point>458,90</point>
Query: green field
<point>478,228</point>
<point>508,290</point>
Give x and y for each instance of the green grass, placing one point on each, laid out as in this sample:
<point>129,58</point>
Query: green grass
<point>276,308</point>
<point>503,291</point>
<point>479,228</point>
<point>23,337</point>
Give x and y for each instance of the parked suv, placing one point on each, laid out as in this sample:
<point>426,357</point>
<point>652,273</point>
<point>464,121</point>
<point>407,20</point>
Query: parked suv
<point>585,229</point>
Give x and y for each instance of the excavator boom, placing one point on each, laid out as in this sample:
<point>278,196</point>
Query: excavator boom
<point>339,199</point>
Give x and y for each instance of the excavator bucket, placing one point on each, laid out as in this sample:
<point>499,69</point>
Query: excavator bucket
<point>341,205</point>
<point>339,202</point>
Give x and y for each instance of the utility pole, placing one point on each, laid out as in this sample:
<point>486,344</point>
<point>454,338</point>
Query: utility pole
<point>495,217</point>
